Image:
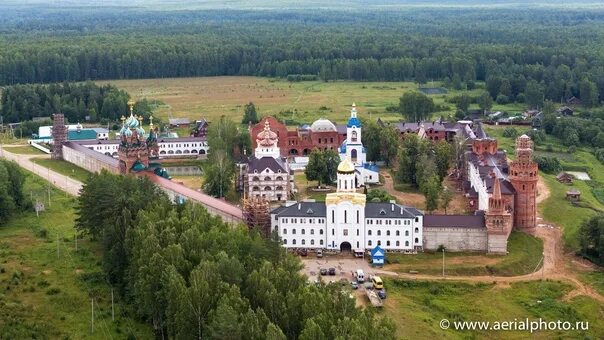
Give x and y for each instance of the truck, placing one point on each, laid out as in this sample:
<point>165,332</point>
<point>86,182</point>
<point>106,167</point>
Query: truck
<point>373,297</point>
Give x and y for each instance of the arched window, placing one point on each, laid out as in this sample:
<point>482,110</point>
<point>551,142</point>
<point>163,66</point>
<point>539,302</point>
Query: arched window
<point>369,243</point>
<point>294,231</point>
<point>416,240</point>
<point>303,241</point>
<point>284,231</point>
<point>417,230</point>
<point>406,243</point>
<point>321,242</point>
<point>267,188</point>
<point>353,155</point>
<point>406,232</point>
<point>279,178</point>
<point>312,242</point>
<point>284,241</point>
<point>398,243</point>
<point>294,241</point>
<point>267,178</point>
<point>256,178</point>
<point>354,136</point>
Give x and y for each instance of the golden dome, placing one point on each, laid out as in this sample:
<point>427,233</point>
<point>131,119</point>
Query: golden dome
<point>346,166</point>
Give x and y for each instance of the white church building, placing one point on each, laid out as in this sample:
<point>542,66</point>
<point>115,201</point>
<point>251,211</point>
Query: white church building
<point>353,149</point>
<point>346,221</point>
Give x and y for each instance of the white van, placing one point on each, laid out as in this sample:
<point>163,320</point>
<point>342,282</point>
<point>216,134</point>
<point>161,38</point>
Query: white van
<point>360,276</point>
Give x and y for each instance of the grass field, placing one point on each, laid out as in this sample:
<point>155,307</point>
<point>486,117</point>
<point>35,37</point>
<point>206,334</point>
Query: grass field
<point>24,150</point>
<point>45,296</point>
<point>304,102</point>
<point>523,258</point>
<point>417,307</point>
<point>64,168</point>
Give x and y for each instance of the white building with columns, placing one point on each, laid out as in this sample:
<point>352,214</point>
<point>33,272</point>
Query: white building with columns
<point>346,221</point>
<point>352,148</point>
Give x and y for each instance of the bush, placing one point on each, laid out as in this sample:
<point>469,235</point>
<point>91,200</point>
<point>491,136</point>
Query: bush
<point>599,153</point>
<point>572,149</point>
<point>502,99</point>
<point>53,291</point>
<point>549,164</point>
<point>510,132</point>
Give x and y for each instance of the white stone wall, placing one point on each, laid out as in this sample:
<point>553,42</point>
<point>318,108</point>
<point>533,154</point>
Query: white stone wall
<point>497,244</point>
<point>455,239</point>
<point>479,185</point>
<point>85,161</point>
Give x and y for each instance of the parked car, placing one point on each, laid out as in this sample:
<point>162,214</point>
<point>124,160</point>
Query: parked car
<point>319,253</point>
<point>323,271</point>
<point>354,285</point>
<point>332,271</point>
<point>382,294</point>
<point>303,252</point>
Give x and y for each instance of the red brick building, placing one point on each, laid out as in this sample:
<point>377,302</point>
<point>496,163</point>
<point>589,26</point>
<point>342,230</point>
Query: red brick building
<point>523,176</point>
<point>322,134</point>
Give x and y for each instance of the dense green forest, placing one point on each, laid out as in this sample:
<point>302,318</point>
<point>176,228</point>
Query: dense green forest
<point>553,52</point>
<point>78,102</point>
<point>190,275</point>
<point>12,198</point>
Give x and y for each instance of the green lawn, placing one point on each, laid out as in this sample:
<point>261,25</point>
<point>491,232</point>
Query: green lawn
<point>43,295</point>
<point>417,307</point>
<point>525,253</point>
<point>64,168</point>
<point>595,279</point>
<point>24,150</point>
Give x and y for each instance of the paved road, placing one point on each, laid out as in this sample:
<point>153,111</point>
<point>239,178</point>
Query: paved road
<point>62,182</point>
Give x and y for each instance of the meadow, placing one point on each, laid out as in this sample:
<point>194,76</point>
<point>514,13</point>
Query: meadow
<point>524,257</point>
<point>296,102</point>
<point>47,286</point>
<point>417,307</point>
<point>64,168</point>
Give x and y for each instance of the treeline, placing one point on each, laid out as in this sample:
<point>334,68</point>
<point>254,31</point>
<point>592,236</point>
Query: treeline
<point>550,52</point>
<point>573,131</point>
<point>190,275</point>
<point>591,238</point>
<point>12,199</point>
<point>79,102</point>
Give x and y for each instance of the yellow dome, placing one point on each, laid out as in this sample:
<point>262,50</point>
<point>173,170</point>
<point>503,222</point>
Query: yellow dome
<point>346,166</point>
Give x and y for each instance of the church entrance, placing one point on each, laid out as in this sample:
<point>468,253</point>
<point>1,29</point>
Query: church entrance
<point>345,247</point>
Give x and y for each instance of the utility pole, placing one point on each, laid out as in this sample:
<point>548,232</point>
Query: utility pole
<point>443,261</point>
<point>92,315</point>
<point>112,310</point>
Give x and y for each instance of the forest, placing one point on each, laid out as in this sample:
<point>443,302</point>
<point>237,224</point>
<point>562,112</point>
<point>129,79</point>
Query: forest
<point>552,53</point>
<point>190,275</point>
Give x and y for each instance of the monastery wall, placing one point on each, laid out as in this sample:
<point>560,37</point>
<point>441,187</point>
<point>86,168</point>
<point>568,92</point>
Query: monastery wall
<point>455,239</point>
<point>88,159</point>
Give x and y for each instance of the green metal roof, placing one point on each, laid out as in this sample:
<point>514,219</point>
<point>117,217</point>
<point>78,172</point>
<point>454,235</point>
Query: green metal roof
<point>81,135</point>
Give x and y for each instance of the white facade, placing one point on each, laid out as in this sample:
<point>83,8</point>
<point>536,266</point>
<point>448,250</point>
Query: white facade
<point>177,147</point>
<point>345,221</point>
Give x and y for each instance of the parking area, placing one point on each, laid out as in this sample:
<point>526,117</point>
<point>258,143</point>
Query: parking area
<point>345,266</point>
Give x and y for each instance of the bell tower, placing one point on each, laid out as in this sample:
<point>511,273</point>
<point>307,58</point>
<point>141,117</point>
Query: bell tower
<point>498,221</point>
<point>523,176</point>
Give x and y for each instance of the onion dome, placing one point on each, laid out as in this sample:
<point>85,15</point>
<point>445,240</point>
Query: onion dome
<point>322,125</point>
<point>346,166</point>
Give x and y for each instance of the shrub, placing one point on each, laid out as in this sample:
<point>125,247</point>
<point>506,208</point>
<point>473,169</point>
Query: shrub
<point>502,99</point>
<point>548,164</point>
<point>53,291</point>
<point>599,153</point>
<point>510,132</point>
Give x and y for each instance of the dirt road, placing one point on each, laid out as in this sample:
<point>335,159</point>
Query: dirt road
<point>62,182</point>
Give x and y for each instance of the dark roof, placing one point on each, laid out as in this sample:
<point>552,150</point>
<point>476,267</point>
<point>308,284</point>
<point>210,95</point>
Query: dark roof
<point>341,129</point>
<point>161,140</point>
<point>389,210</point>
<point>372,210</point>
<point>260,164</point>
<point>302,209</point>
<point>454,221</point>
<point>506,186</point>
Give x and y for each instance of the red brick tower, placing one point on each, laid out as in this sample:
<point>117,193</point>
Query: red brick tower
<point>523,176</point>
<point>498,221</point>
